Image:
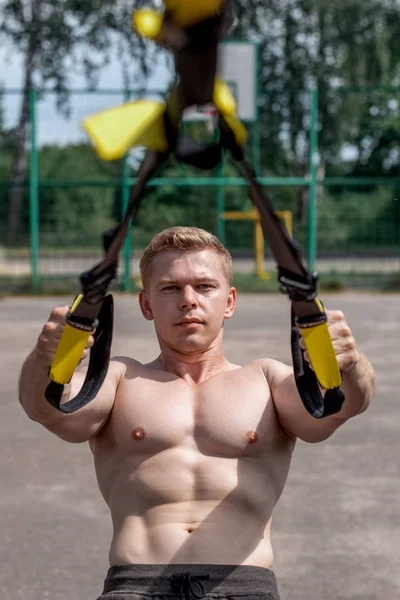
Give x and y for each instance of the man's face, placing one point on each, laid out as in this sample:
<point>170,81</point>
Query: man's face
<point>188,297</point>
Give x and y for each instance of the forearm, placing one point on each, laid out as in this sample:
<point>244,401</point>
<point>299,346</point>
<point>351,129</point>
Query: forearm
<point>33,381</point>
<point>358,386</point>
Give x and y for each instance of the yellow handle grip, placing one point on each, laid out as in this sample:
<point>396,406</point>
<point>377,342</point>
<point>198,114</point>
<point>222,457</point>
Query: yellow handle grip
<point>322,354</point>
<point>68,355</point>
<point>69,351</point>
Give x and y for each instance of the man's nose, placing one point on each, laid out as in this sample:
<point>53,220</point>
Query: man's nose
<point>188,298</point>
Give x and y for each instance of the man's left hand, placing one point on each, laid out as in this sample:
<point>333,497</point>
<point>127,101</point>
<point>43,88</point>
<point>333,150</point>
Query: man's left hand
<point>344,344</point>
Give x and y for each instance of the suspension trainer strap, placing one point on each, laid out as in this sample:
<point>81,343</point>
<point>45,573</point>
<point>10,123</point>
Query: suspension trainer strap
<point>308,315</point>
<point>92,311</point>
<point>192,32</point>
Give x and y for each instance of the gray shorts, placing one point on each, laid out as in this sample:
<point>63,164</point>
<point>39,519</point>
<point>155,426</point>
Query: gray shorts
<point>189,582</point>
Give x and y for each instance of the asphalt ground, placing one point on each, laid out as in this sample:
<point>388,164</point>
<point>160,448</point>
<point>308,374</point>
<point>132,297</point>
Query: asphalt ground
<point>336,529</point>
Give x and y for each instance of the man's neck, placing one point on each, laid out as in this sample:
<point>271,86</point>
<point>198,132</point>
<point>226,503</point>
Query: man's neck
<point>192,368</point>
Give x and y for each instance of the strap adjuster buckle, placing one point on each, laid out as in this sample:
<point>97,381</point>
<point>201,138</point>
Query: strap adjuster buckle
<point>94,288</point>
<point>89,325</point>
<point>298,288</point>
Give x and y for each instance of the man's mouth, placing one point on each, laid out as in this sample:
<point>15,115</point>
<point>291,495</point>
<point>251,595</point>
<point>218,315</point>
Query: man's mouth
<point>192,321</point>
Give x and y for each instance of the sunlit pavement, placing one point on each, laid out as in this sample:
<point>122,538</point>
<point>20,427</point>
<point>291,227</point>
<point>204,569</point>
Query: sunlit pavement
<point>336,529</point>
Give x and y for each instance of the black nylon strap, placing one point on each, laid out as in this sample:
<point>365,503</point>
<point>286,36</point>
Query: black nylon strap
<point>95,305</point>
<point>198,155</point>
<point>301,288</point>
<point>295,280</point>
<point>107,267</point>
<point>98,365</point>
<point>196,58</point>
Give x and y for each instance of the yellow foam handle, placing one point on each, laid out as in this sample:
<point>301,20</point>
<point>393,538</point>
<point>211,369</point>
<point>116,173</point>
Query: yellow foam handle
<point>322,355</point>
<point>239,130</point>
<point>225,103</point>
<point>147,23</point>
<point>223,98</point>
<point>116,130</point>
<point>185,13</point>
<point>69,351</point>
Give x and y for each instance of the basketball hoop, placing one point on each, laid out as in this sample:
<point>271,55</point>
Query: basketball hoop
<point>207,109</point>
<point>210,115</point>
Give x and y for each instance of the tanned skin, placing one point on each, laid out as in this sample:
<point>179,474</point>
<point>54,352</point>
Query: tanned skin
<point>191,451</point>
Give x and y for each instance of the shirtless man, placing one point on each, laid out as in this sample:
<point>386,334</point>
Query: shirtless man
<point>191,452</point>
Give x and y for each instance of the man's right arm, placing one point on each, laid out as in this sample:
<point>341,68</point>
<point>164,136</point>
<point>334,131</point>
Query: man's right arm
<point>83,424</point>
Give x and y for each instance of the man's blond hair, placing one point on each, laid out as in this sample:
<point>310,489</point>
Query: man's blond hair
<point>185,239</point>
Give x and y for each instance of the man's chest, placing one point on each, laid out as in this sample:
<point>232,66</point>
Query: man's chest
<point>230,415</point>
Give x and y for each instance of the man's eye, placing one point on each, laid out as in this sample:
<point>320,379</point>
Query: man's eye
<point>205,286</point>
<point>170,288</point>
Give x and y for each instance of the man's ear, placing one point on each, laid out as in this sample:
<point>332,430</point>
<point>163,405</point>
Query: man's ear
<point>145,306</point>
<point>230,303</point>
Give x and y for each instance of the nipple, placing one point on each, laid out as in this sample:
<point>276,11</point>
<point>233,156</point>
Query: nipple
<point>139,434</point>
<point>252,437</point>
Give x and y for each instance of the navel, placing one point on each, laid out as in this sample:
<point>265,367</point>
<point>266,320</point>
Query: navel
<point>252,437</point>
<point>139,434</point>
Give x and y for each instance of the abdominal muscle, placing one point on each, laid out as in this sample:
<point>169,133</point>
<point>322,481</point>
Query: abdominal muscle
<point>162,537</point>
<point>182,507</point>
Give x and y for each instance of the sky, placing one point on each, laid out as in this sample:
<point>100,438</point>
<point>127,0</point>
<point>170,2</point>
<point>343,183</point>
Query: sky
<point>52,127</point>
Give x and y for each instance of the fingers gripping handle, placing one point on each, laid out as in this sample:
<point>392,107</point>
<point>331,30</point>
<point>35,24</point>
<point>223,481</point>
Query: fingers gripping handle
<point>98,364</point>
<point>319,346</point>
<point>326,371</point>
<point>72,344</point>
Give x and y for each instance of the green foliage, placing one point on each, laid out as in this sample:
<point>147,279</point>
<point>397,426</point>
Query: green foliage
<point>168,206</point>
<point>348,221</point>
<point>76,213</point>
<point>346,43</point>
<point>331,45</point>
<point>65,36</point>
<point>57,38</point>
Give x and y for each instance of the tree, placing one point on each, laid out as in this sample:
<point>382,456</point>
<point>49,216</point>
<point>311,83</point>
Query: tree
<point>324,43</point>
<point>55,38</point>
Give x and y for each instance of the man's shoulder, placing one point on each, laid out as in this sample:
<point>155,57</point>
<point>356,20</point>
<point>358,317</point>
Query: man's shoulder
<point>124,364</point>
<point>274,369</point>
<point>128,368</point>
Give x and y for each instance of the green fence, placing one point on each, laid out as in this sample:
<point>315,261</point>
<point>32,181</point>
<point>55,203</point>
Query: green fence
<point>346,220</point>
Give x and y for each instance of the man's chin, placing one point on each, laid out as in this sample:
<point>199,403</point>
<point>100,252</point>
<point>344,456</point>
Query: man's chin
<point>188,342</point>
<point>192,343</point>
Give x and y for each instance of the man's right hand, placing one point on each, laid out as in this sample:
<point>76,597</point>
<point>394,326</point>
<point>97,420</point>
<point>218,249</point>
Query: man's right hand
<point>50,336</point>
<point>86,422</point>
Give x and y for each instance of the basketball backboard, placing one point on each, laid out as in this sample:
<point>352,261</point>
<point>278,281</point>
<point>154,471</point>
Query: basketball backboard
<point>238,66</point>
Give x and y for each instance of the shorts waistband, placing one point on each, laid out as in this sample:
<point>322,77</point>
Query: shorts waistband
<point>201,580</point>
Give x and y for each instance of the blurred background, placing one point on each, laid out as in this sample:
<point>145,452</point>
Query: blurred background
<point>322,110</point>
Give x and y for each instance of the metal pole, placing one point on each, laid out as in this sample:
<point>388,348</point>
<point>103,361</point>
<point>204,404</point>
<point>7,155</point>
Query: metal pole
<point>256,129</point>
<point>313,183</point>
<point>33,194</point>
<point>221,203</point>
<point>127,250</point>
<point>207,181</point>
<point>259,244</point>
